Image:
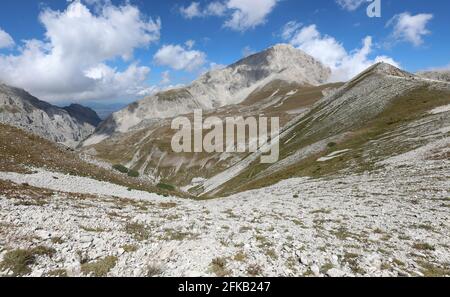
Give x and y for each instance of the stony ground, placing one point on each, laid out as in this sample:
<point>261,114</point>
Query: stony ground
<point>392,222</point>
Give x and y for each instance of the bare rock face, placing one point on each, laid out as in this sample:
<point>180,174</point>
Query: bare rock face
<point>83,114</point>
<point>218,88</point>
<point>20,109</point>
<point>443,75</point>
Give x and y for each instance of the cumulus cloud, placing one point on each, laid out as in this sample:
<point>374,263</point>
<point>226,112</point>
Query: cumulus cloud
<point>180,58</point>
<point>72,62</point>
<point>247,14</point>
<point>191,11</point>
<point>242,15</point>
<point>350,5</point>
<point>6,40</point>
<point>329,51</point>
<point>410,28</point>
<point>215,9</point>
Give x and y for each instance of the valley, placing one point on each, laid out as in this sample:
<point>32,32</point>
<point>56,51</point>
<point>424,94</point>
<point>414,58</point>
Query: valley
<point>361,188</point>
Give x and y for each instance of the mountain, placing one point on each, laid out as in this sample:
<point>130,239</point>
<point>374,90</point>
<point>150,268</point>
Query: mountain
<point>361,188</point>
<point>68,126</point>
<point>273,87</point>
<point>326,129</point>
<point>381,113</point>
<point>442,75</point>
<point>83,114</point>
<point>218,88</point>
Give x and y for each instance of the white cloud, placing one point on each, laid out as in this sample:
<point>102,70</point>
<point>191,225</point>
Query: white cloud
<point>410,28</point>
<point>344,65</point>
<point>180,58</point>
<point>249,13</point>
<point>289,29</point>
<point>242,14</point>
<point>214,66</point>
<point>350,5</point>
<point>189,44</point>
<point>6,40</point>
<point>247,51</point>
<point>72,62</point>
<point>216,9</point>
<point>191,11</point>
<point>165,78</point>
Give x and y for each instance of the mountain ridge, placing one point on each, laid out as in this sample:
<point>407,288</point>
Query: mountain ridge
<point>219,88</point>
<point>69,127</point>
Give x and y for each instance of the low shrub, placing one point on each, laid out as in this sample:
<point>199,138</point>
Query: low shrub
<point>120,168</point>
<point>133,173</point>
<point>166,187</point>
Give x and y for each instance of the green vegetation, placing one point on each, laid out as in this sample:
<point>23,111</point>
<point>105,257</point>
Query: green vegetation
<point>241,256</point>
<point>219,267</point>
<point>99,268</point>
<point>254,270</point>
<point>57,273</point>
<point>176,235</point>
<point>22,150</point>
<point>130,248</point>
<point>19,261</point>
<point>424,247</point>
<point>153,270</point>
<point>409,107</point>
<point>167,205</point>
<point>57,240</point>
<point>133,173</point>
<point>139,231</point>
<point>94,230</point>
<point>166,187</point>
<point>352,261</point>
<point>120,168</point>
<point>431,270</point>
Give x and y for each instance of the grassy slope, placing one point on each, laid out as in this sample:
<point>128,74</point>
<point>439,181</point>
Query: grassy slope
<point>20,150</point>
<point>403,110</point>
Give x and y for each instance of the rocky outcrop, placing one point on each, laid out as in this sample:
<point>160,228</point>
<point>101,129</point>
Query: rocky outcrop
<point>20,109</point>
<point>443,75</point>
<point>83,114</point>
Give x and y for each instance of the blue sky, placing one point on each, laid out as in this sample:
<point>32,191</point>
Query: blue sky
<point>68,61</point>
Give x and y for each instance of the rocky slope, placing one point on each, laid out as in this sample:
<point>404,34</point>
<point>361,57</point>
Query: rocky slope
<point>218,88</point>
<point>67,126</point>
<point>443,75</point>
<point>379,101</point>
<point>388,222</point>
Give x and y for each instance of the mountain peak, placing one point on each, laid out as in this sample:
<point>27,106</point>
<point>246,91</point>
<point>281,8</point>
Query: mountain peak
<point>83,114</point>
<point>283,47</point>
<point>218,88</point>
<point>281,57</point>
<point>388,69</point>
